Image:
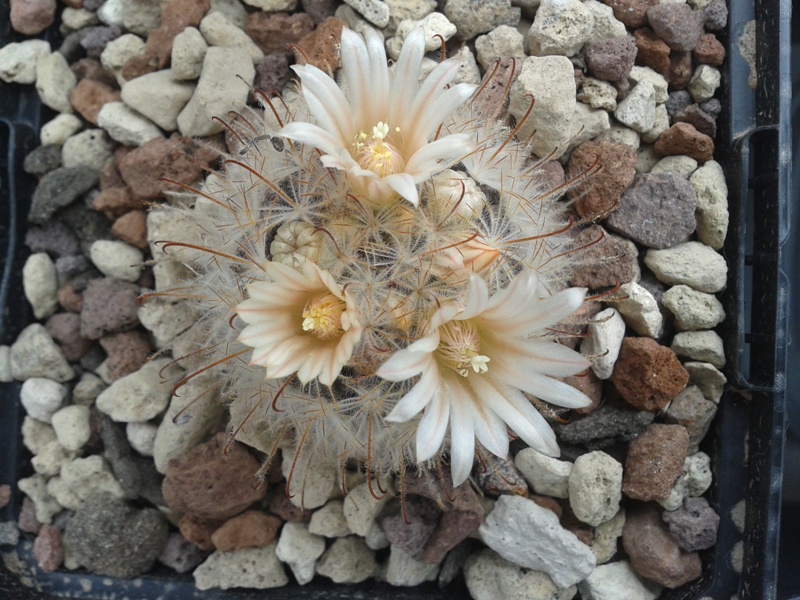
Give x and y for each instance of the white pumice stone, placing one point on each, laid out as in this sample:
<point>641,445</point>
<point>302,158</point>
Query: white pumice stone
<point>361,508</point>
<point>158,97</point>
<point>329,520</point>
<point>712,204</point>
<point>188,50</point>
<point>489,576</point>
<point>693,310</point>
<point>72,428</point>
<point>141,437</point>
<point>218,31</point>
<point>708,378</point>
<point>554,550</point>
<point>257,568</point>
<point>55,81</point>
<point>40,284</point>
<point>405,570</point>
<point>704,83</point>
<point>300,549</point>
<point>90,147</point>
<point>638,109</point>
<point>59,130</point>
<point>501,42</point>
<point>126,126</point>
<point>704,346</point>
<point>42,397</point>
<point>560,27</point>
<point>546,475</point>
<point>82,479</point>
<point>618,581</point>
<point>679,164</point>
<point>140,396</point>
<point>35,354</point>
<point>595,487</point>
<point>690,263</point>
<point>348,560</point>
<point>117,259</point>
<point>18,60</point>
<point>640,309</point>
<point>602,345</point>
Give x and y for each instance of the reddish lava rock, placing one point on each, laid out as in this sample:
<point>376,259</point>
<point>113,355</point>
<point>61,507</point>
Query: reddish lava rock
<point>177,158</point>
<point>411,531</point>
<point>605,260</point>
<point>648,375</point>
<point>176,16</point>
<point>208,483</point>
<point>114,202</point>
<point>655,460</point>
<point>90,68</point>
<point>709,50</point>
<point>548,503</point>
<point>680,70</point>
<point>48,548</point>
<point>131,228</point>
<point>599,195</point>
<point>652,51</point>
<point>699,119</point>
<point>109,306</point>
<point>198,530</point>
<point>653,552</point>
<point>69,299</point>
<point>321,46</point>
<point>490,101</point>
<point>632,13</point>
<point>590,385</point>
<point>683,138</point>
<point>251,529</point>
<point>30,17</point>
<point>89,96</point>
<point>127,352</point>
<point>283,507</point>
<point>274,32</point>
<point>66,331</point>
<point>27,520</point>
<point>462,512</point>
<point>611,59</point>
<point>5,495</point>
<point>677,24</point>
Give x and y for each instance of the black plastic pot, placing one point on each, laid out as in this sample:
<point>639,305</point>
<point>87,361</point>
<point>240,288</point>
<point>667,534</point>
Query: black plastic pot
<point>747,439</point>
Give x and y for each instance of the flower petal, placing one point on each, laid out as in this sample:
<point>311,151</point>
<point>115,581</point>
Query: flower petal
<point>405,80</point>
<point>314,136</point>
<point>405,364</point>
<point>356,74</point>
<point>326,101</point>
<point>429,116</point>
<point>417,398</point>
<point>426,160</point>
<point>403,184</point>
<point>432,428</point>
<point>541,386</point>
<point>516,410</point>
<point>476,299</point>
<point>462,434</point>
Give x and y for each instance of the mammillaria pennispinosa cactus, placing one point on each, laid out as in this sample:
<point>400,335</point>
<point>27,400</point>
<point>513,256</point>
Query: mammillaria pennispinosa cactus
<point>378,271</point>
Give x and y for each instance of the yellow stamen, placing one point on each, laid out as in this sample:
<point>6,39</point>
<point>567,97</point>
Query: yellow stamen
<point>322,316</point>
<point>459,348</point>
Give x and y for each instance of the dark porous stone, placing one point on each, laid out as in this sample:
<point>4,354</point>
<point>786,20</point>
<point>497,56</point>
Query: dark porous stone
<point>65,328</point>
<point>709,50</point>
<point>53,237</point>
<point>59,188</point>
<point>95,39</point>
<point>181,555</point>
<point>109,537</point>
<point>611,59</point>
<point>653,552</point>
<point>150,480</point>
<point>677,24</point>
<point>716,15</point>
<point>69,266</point>
<point>90,68</point>
<point>600,193</point>
<point>119,455</point>
<point>699,119</point>
<point>411,531</point>
<point>632,13</point>
<point>605,427</point>
<point>657,211</point>
<point>5,495</point>
<point>319,10</point>
<point>462,512</point>
<point>88,225</point>
<point>72,46</point>
<point>712,107</point>
<point>109,306</point>
<point>694,525</point>
<point>281,505</point>
<point>655,460</point>
<point>604,261</point>
<point>42,160</point>
<point>272,73</point>
<point>496,476</point>
<point>176,15</point>
<point>212,484</point>
<point>680,70</point>
<point>678,101</point>
<point>683,138</point>
<point>652,51</point>
<point>691,409</point>
<point>648,375</point>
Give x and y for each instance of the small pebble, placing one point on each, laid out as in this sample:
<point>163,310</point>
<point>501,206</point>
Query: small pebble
<point>251,529</point>
<point>648,375</point>
<point>42,397</point>
<point>180,555</point>
<point>640,309</point>
<point>40,283</point>
<point>691,410</point>
<point>329,520</point>
<point>489,576</point>
<point>72,428</point>
<point>348,560</point>
<point>703,346</point>
<point>256,568</point>
<point>595,487</point>
<point>690,263</point>
<point>603,343</point>
<point>300,549</point>
<point>618,581</point>
<point>694,526</point>
<point>654,461</point>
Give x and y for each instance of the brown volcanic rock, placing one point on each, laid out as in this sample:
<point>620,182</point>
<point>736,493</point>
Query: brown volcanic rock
<point>677,24</point>
<point>176,16</point>
<point>198,530</point>
<point>89,96</point>
<point>680,70</point>
<point>605,260</point>
<point>611,59</point>
<point>653,552</point>
<point>209,484</point>
<point>709,50</point>
<point>652,52</point>
<point>251,529</point>
<point>599,194</point>
<point>632,13</point>
<point>647,374</point>
<point>321,46</point>
<point>655,460</point>
<point>273,32</point>
<point>683,138</point>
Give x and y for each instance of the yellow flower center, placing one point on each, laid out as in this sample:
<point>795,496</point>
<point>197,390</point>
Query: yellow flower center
<point>376,153</point>
<point>459,348</point>
<point>322,316</point>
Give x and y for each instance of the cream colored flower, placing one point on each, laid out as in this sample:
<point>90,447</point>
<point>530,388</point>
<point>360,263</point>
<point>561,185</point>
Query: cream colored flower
<point>379,127</point>
<point>301,323</point>
<point>475,365</point>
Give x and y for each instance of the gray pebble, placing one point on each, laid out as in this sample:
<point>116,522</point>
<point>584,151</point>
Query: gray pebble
<point>694,525</point>
<point>605,426</point>
<point>42,160</point>
<point>59,188</point>
<point>35,354</point>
